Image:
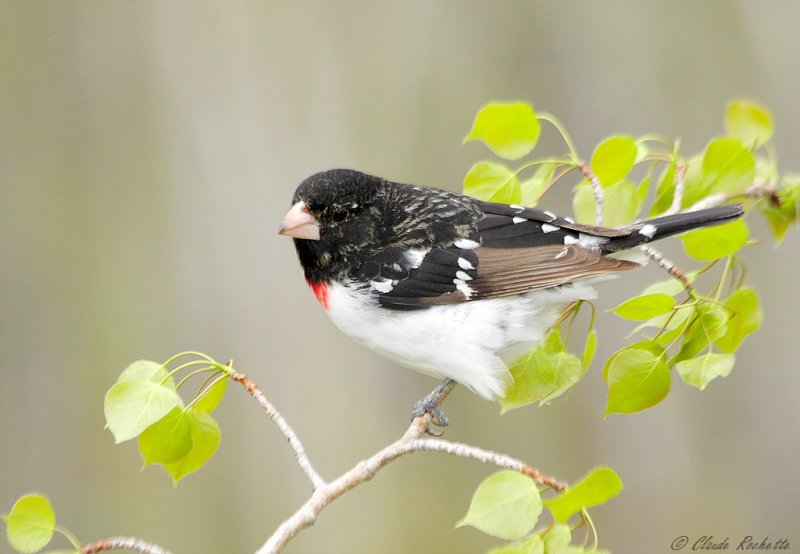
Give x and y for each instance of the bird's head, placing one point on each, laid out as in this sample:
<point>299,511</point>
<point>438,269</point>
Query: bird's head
<point>336,215</point>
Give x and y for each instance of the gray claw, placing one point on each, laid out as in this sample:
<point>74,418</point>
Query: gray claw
<point>431,404</point>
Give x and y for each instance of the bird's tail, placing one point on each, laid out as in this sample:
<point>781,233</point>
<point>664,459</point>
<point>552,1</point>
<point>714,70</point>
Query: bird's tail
<point>661,227</point>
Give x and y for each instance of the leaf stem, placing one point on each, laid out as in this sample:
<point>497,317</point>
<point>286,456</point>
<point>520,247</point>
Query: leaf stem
<point>69,536</point>
<point>200,395</point>
<point>554,121</point>
<point>195,372</point>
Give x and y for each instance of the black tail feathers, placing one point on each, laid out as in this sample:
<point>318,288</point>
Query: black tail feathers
<point>662,227</point>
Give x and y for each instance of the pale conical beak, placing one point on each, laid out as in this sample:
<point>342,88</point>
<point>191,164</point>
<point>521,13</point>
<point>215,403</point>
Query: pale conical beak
<point>299,224</point>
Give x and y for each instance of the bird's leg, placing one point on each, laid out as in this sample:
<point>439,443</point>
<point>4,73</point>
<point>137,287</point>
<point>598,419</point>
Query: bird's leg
<point>431,404</point>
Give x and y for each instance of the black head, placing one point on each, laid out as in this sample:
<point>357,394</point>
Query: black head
<point>338,218</point>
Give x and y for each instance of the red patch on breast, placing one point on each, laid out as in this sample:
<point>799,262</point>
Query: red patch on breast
<point>320,290</point>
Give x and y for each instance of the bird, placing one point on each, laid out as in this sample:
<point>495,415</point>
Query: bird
<point>449,285</point>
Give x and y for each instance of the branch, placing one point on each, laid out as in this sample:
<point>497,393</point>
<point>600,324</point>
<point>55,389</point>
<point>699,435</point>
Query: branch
<point>124,543</point>
<point>299,452</point>
<point>667,265</point>
<point>757,190</point>
<point>597,189</point>
<point>363,471</point>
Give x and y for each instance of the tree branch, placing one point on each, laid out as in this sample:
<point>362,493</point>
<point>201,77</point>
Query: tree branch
<point>299,452</point>
<point>124,543</point>
<point>757,190</point>
<point>680,187</point>
<point>363,471</point>
<point>597,190</point>
<point>667,265</point>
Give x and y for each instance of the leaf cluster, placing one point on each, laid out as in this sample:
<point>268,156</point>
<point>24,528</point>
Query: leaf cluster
<point>508,505</point>
<point>639,176</point>
<point>144,403</point>
<point>695,336</point>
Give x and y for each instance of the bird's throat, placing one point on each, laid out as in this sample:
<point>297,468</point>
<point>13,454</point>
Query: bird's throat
<point>320,290</point>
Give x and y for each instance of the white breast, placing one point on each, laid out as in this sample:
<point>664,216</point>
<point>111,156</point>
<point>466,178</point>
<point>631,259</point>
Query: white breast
<point>470,342</point>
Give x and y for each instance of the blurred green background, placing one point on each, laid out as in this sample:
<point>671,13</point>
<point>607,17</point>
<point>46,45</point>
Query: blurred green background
<point>148,151</point>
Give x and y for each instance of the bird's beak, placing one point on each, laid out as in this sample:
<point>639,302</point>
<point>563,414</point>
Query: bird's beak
<point>299,224</point>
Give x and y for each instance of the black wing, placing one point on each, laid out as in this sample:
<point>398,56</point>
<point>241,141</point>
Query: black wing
<point>509,250</point>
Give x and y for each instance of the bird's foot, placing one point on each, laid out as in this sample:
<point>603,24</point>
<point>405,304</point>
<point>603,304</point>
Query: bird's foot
<point>431,404</point>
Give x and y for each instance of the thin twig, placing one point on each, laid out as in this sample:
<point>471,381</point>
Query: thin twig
<point>680,187</point>
<point>757,190</point>
<point>597,190</point>
<point>299,452</point>
<point>124,543</point>
<point>363,471</point>
<point>667,265</point>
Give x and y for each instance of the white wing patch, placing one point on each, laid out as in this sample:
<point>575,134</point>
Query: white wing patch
<point>382,285</point>
<point>415,257</point>
<point>547,228</point>
<point>461,276</point>
<point>463,263</point>
<point>518,220</point>
<point>591,241</point>
<point>463,287</point>
<point>648,230</point>
<point>466,244</point>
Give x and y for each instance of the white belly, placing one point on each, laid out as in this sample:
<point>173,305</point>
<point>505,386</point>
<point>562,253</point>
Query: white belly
<point>470,342</point>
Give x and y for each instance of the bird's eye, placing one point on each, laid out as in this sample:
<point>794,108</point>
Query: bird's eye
<point>338,217</point>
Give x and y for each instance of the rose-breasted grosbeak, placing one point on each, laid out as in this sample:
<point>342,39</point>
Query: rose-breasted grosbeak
<point>449,285</point>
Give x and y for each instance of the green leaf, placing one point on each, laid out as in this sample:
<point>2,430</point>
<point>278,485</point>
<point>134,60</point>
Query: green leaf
<point>600,486</point>
<point>637,379</point>
<point>784,213</point>
<point>146,370</point>
<point>613,159</point>
<point>557,539</point>
<point>583,205</point>
<point>212,397</point>
<point>644,186</point>
<point>709,326</point>
<point>670,287</point>
<point>745,319</point>
<point>167,440</point>
<point>673,327</point>
<point>698,372</point>
<point>589,350</point>
<point>645,306</point>
<point>648,345</point>
<point>506,505</point>
<point>133,406</point>
<point>534,187</point>
<point>728,166</point>
<point>665,190</point>
<point>621,204</point>
<point>206,436</point>
<point>542,374</point>
<point>30,524</point>
<point>531,545</point>
<point>697,184</point>
<point>509,130</point>
<point>749,122</point>
<point>492,182</point>
<point>716,242</point>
